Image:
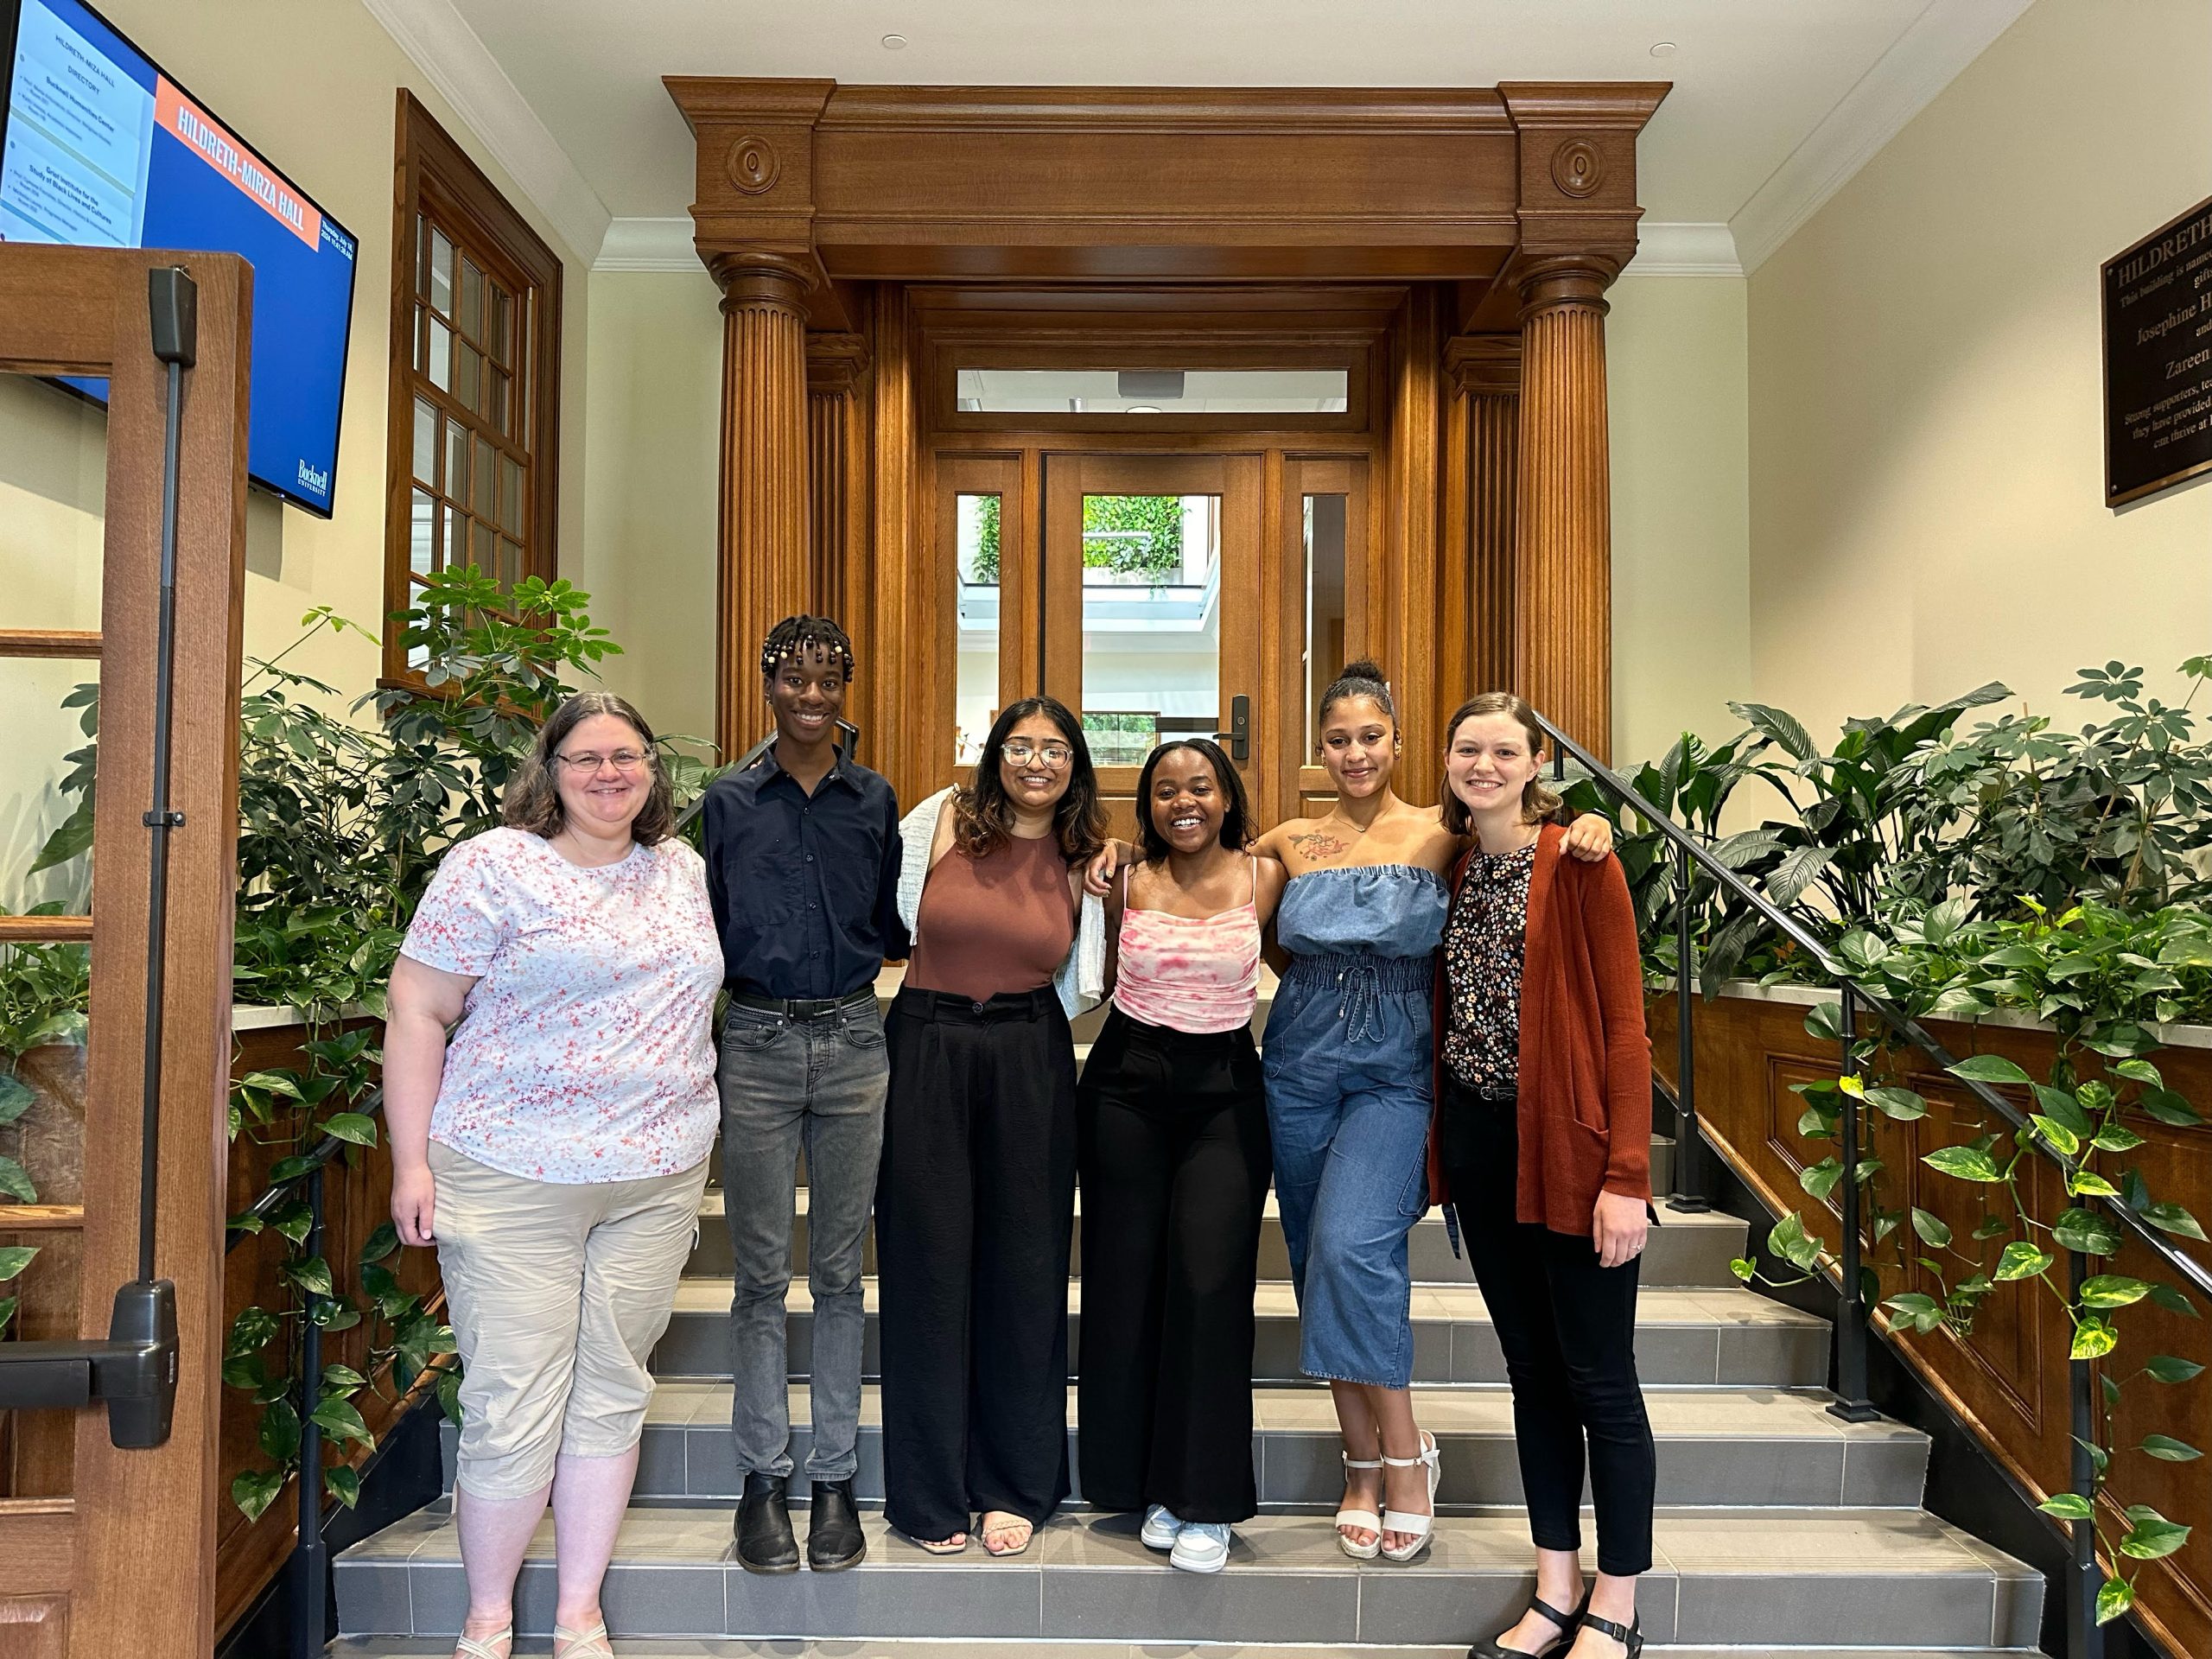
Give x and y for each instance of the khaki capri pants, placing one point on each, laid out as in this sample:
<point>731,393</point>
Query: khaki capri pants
<point>557,1294</point>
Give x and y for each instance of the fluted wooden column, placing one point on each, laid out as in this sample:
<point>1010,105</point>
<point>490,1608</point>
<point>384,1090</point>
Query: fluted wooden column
<point>1484,446</point>
<point>1563,644</point>
<point>836,435</point>
<point>765,570</point>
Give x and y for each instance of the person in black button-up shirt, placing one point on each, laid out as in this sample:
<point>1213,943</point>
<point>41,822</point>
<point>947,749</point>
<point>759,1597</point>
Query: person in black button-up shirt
<point>805,884</point>
<point>803,857</point>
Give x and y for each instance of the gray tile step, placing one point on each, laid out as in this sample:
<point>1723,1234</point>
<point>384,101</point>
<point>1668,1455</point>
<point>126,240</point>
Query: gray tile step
<point>1683,1250</point>
<point>1697,1338</point>
<point>1717,1447</point>
<point>1768,1577</point>
<point>922,1647</point>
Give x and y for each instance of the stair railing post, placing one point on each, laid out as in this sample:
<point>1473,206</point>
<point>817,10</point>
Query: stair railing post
<point>1689,1196</point>
<point>311,1561</point>
<point>2085,1637</point>
<point>1852,1404</point>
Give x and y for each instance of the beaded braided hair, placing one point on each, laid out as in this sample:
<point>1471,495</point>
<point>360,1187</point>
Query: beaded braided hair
<point>797,637</point>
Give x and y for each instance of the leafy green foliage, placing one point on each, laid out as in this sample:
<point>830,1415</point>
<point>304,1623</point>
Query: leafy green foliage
<point>340,825</point>
<point>1960,867</point>
<point>1132,534</point>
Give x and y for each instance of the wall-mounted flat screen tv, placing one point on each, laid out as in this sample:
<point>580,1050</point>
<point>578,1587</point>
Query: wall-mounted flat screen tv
<point>99,148</point>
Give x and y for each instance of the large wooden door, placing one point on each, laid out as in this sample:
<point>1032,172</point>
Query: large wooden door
<point>1152,594</point>
<point>103,1551</point>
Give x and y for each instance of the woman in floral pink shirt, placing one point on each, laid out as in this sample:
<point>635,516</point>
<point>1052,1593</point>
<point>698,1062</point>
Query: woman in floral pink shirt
<point>554,1147</point>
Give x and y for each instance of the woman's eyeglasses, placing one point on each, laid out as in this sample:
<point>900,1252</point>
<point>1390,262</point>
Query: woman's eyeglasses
<point>1021,753</point>
<point>585,765</point>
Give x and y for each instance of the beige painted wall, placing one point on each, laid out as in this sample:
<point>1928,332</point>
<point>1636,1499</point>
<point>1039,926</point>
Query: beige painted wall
<point>654,422</point>
<point>326,116</point>
<point>1675,371</point>
<point>1926,385</point>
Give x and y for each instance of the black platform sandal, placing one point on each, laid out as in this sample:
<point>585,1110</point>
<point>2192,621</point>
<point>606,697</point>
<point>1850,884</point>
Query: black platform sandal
<point>1629,1636</point>
<point>1568,1622</point>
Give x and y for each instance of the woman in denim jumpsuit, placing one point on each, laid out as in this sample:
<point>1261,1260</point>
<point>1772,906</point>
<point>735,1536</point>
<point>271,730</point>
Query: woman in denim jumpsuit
<point>1348,1059</point>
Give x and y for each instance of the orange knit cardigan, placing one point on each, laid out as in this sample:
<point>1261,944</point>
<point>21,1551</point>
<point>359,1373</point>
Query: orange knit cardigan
<point>1585,1105</point>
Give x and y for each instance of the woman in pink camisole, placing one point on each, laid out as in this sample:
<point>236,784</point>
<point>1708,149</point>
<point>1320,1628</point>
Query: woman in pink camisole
<point>1172,1150</point>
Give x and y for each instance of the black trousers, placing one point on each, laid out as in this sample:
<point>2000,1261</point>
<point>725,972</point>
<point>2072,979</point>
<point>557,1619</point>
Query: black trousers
<point>1173,1133</point>
<point>974,1210</point>
<point>1567,1326</point>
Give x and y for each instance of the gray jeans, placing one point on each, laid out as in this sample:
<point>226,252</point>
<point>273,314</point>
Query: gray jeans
<point>787,1084</point>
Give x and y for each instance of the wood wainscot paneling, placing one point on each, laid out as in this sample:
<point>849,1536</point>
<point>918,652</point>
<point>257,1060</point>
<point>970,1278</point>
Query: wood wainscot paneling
<point>2007,1375</point>
<point>357,1200</point>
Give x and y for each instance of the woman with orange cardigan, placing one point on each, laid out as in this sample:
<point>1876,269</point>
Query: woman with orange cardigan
<point>1542,1144</point>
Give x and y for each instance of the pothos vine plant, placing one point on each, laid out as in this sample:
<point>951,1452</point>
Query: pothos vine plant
<point>2104,982</point>
<point>341,823</point>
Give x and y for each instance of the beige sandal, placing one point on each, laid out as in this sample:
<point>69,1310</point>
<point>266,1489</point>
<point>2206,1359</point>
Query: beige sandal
<point>589,1644</point>
<point>951,1546</point>
<point>1014,1522</point>
<point>478,1647</point>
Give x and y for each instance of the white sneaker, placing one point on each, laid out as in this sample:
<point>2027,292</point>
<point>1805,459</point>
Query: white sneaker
<point>1201,1547</point>
<point>1160,1528</point>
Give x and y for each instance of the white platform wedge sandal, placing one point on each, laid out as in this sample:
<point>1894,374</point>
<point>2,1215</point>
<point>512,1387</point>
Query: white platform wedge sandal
<point>1420,1525</point>
<point>1365,1520</point>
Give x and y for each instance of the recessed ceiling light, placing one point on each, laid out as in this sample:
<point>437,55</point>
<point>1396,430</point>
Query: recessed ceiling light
<point>1663,49</point>
<point>894,42</point>
<point>1142,409</point>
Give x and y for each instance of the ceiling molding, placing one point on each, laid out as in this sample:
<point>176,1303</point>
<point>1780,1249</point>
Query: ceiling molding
<point>1924,60</point>
<point>649,244</point>
<point>439,41</point>
<point>1683,251</point>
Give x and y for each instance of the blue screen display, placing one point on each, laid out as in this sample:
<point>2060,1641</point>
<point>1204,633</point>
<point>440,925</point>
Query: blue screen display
<point>103,150</point>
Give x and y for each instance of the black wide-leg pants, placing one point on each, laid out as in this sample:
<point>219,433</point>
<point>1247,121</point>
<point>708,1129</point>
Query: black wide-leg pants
<point>1567,1326</point>
<point>1174,1161</point>
<point>973,1211</point>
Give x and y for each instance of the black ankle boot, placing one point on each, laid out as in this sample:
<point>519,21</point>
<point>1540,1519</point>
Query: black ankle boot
<point>834,1539</point>
<point>765,1543</point>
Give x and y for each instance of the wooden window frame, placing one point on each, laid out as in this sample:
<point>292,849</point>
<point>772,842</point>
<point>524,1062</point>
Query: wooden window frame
<point>432,174</point>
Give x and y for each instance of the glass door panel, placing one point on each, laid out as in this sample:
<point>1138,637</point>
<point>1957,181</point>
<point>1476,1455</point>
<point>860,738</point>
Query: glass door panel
<point>978,519</point>
<point>1324,557</point>
<point>1152,599</point>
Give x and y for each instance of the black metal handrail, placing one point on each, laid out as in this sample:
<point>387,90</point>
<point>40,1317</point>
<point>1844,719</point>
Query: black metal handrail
<point>2084,1635</point>
<point>2197,1276</point>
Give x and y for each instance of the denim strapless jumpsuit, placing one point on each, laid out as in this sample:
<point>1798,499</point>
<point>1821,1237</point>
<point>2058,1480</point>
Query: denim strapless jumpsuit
<point>1348,1063</point>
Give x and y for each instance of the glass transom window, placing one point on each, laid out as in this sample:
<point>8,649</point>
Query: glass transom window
<point>1140,392</point>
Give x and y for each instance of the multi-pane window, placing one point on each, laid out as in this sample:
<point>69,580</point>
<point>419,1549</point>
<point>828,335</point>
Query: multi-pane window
<point>472,426</point>
<point>475,369</point>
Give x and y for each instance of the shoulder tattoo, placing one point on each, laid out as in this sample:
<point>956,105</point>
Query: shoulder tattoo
<point>1317,844</point>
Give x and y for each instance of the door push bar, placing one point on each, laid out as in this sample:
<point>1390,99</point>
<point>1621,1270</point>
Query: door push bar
<point>133,1373</point>
<point>1239,734</point>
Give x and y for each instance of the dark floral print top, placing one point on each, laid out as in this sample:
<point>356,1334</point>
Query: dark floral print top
<point>1483,944</point>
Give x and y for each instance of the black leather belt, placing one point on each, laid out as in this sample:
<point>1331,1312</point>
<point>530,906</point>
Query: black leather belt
<point>803,1008</point>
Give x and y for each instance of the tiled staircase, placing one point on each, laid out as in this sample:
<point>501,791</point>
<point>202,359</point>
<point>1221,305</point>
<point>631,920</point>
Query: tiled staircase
<point>1781,1527</point>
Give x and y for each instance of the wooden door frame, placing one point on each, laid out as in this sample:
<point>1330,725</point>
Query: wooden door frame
<point>75,1571</point>
<point>1507,210</point>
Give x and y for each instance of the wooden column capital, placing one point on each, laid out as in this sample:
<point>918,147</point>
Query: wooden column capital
<point>835,361</point>
<point>1560,280</point>
<point>758,279</point>
<point>1485,364</point>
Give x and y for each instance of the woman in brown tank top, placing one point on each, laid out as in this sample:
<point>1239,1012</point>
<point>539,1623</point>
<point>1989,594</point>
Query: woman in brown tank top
<point>975,1202</point>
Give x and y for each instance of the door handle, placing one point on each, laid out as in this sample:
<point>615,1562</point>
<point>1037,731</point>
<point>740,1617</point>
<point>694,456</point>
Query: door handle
<point>1239,734</point>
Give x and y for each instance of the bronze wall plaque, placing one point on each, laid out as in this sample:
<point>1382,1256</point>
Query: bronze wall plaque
<point>2157,320</point>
